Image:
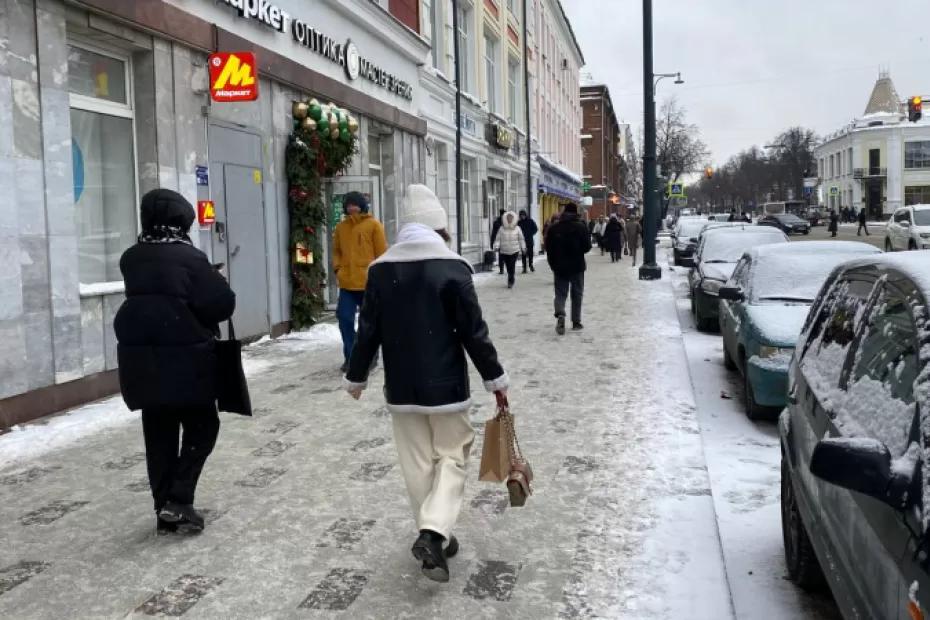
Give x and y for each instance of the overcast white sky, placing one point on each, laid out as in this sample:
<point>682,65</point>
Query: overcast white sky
<point>754,67</point>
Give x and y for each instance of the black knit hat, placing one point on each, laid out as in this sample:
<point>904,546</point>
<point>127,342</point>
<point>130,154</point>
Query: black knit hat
<point>571,208</point>
<point>355,198</point>
<point>165,207</point>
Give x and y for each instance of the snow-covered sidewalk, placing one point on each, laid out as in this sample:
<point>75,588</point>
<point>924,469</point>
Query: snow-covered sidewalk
<point>306,507</point>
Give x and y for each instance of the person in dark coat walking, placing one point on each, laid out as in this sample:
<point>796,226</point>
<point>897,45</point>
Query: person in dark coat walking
<point>834,223</point>
<point>566,245</point>
<point>862,224</point>
<point>613,238</point>
<point>545,231</point>
<point>166,330</point>
<point>422,311</point>
<point>529,228</point>
<point>496,228</point>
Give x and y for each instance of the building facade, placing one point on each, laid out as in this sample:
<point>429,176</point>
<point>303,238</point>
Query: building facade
<point>556,60</point>
<point>102,101</point>
<point>603,149</point>
<point>879,161</point>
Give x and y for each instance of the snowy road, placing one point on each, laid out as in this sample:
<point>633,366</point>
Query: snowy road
<point>743,459</point>
<point>307,514</point>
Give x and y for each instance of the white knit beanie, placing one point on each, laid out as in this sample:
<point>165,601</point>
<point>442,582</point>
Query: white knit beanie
<point>421,206</point>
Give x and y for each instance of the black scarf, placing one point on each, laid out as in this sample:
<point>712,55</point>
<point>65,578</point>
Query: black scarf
<point>161,233</point>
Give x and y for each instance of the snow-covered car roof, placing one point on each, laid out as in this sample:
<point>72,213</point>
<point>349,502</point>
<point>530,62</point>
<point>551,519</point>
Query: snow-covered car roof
<point>915,265</point>
<point>691,226</point>
<point>813,247</point>
<point>920,207</point>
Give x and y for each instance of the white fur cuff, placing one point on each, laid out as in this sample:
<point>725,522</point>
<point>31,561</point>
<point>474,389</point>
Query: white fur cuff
<point>501,383</point>
<point>349,385</point>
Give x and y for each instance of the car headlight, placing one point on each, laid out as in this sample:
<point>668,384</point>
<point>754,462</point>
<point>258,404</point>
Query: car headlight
<point>925,235</point>
<point>711,287</point>
<point>767,351</point>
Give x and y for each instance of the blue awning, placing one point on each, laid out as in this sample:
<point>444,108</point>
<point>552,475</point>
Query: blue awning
<point>561,193</point>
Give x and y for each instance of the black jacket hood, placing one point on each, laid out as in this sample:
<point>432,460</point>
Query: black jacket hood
<point>165,207</point>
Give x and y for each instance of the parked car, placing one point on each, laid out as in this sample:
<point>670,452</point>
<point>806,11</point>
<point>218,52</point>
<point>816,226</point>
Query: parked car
<point>854,490</point>
<point>763,307</point>
<point>908,229</point>
<point>788,223</point>
<point>686,232</point>
<point>716,257</point>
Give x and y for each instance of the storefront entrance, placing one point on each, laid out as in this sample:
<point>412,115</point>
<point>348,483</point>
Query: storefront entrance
<point>239,232</point>
<point>336,190</point>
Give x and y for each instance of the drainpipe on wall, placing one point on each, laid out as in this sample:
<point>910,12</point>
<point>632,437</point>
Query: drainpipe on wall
<point>526,100</point>
<point>459,228</point>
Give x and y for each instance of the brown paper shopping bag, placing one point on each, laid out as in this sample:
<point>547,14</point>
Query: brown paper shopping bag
<point>495,453</point>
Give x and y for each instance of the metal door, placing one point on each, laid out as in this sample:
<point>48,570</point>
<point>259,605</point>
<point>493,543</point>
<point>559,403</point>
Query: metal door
<point>239,231</point>
<point>335,192</point>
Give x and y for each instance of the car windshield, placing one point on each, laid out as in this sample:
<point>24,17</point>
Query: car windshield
<point>793,278</point>
<point>728,246</point>
<point>922,217</point>
<point>691,228</point>
<point>790,219</point>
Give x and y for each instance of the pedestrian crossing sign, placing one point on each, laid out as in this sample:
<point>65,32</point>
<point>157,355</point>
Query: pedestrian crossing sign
<point>676,189</point>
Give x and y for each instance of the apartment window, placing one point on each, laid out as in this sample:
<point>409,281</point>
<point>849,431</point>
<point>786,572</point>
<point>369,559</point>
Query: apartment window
<point>832,168</point>
<point>917,154</point>
<point>103,154</point>
<point>466,46</point>
<point>917,195</point>
<point>850,159</point>
<point>513,90</point>
<point>490,71</point>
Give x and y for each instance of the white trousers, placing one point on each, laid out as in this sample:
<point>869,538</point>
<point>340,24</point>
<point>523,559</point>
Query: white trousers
<point>433,453</point>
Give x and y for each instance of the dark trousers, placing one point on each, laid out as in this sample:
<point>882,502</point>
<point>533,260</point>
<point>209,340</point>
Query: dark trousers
<point>348,304</point>
<point>528,257</point>
<point>500,262</point>
<point>563,285</point>
<point>510,261</point>
<point>173,473</point>
<point>862,226</point>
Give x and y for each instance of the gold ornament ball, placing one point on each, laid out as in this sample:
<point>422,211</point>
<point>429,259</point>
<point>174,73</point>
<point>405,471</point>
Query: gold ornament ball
<point>353,124</point>
<point>334,134</point>
<point>309,124</point>
<point>299,110</point>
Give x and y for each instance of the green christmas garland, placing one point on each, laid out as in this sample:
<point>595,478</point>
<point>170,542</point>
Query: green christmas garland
<point>322,144</point>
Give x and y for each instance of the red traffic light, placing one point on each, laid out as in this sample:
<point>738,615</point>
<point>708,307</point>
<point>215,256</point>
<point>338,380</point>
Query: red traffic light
<point>914,108</point>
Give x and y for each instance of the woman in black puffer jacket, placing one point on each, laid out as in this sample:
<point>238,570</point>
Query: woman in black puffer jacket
<point>166,329</point>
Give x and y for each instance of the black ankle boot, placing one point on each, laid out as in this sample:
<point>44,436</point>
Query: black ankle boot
<point>428,550</point>
<point>183,516</point>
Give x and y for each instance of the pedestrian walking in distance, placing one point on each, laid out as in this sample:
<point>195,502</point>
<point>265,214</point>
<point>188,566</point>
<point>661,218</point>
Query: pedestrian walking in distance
<point>834,223</point>
<point>566,246</point>
<point>613,238</point>
<point>529,229</point>
<point>634,232</point>
<point>510,244</point>
<point>862,224</point>
<point>545,232</point>
<point>599,232</point>
<point>357,241</point>
<point>422,310</point>
<point>165,330</point>
<point>495,229</point>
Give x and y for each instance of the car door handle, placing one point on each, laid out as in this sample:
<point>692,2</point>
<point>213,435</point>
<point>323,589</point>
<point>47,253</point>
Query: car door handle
<point>234,252</point>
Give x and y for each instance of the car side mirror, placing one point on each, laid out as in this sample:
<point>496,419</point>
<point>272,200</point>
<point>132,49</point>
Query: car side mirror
<point>693,239</point>
<point>731,293</point>
<point>905,224</point>
<point>865,465</point>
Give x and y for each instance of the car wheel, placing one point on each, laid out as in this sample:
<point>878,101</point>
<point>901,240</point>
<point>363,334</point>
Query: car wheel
<point>912,245</point>
<point>728,362</point>
<point>754,411</point>
<point>807,232</point>
<point>888,247</point>
<point>803,566</point>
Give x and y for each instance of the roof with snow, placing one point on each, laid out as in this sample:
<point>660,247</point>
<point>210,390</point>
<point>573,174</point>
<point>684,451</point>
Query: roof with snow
<point>884,96</point>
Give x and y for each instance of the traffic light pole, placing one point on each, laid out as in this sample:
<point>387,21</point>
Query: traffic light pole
<point>649,270</point>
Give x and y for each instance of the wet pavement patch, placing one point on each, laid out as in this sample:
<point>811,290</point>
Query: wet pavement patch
<point>563,426</point>
<point>261,477</point>
<point>138,486</point>
<point>127,462</point>
<point>19,573</point>
<point>579,464</point>
<point>369,444</point>
<point>50,512</point>
<point>26,476</point>
<point>275,447</point>
<point>346,533</point>
<point>490,501</point>
<point>284,389</point>
<point>370,472</point>
<point>338,590</point>
<point>493,579</point>
<point>282,428</point>
<point>179,596</point>
<point>381,412</point>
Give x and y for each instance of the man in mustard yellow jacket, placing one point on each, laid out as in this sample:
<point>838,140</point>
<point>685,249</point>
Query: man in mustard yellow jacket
<point>358,240</point>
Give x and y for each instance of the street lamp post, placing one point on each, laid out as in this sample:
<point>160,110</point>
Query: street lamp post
<point>650,270</point>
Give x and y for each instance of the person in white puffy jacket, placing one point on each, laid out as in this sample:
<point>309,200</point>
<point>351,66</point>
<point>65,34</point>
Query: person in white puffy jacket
<point>510,243</point>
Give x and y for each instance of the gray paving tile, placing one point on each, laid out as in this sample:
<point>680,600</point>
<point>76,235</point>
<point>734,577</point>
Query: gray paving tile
<point>262,477</point>
<point>179,596</point>
<point>345,533</point>
<point>51,512</point>
<point>493,579</point>
<point>19,573</point>
<point>338,590</point>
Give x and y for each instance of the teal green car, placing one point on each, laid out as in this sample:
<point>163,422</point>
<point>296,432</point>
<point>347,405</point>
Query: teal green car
<point>763,308</point>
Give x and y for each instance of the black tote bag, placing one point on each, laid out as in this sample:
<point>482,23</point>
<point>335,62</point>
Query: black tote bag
<point>232,390</point>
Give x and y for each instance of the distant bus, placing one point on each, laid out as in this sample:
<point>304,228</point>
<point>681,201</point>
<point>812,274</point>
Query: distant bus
<point>796,207</point>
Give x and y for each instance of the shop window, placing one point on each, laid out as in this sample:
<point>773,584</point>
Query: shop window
<point>917,154</point>
<point>103,155</point>
<point>917,194</point>
<point>466,46</point>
